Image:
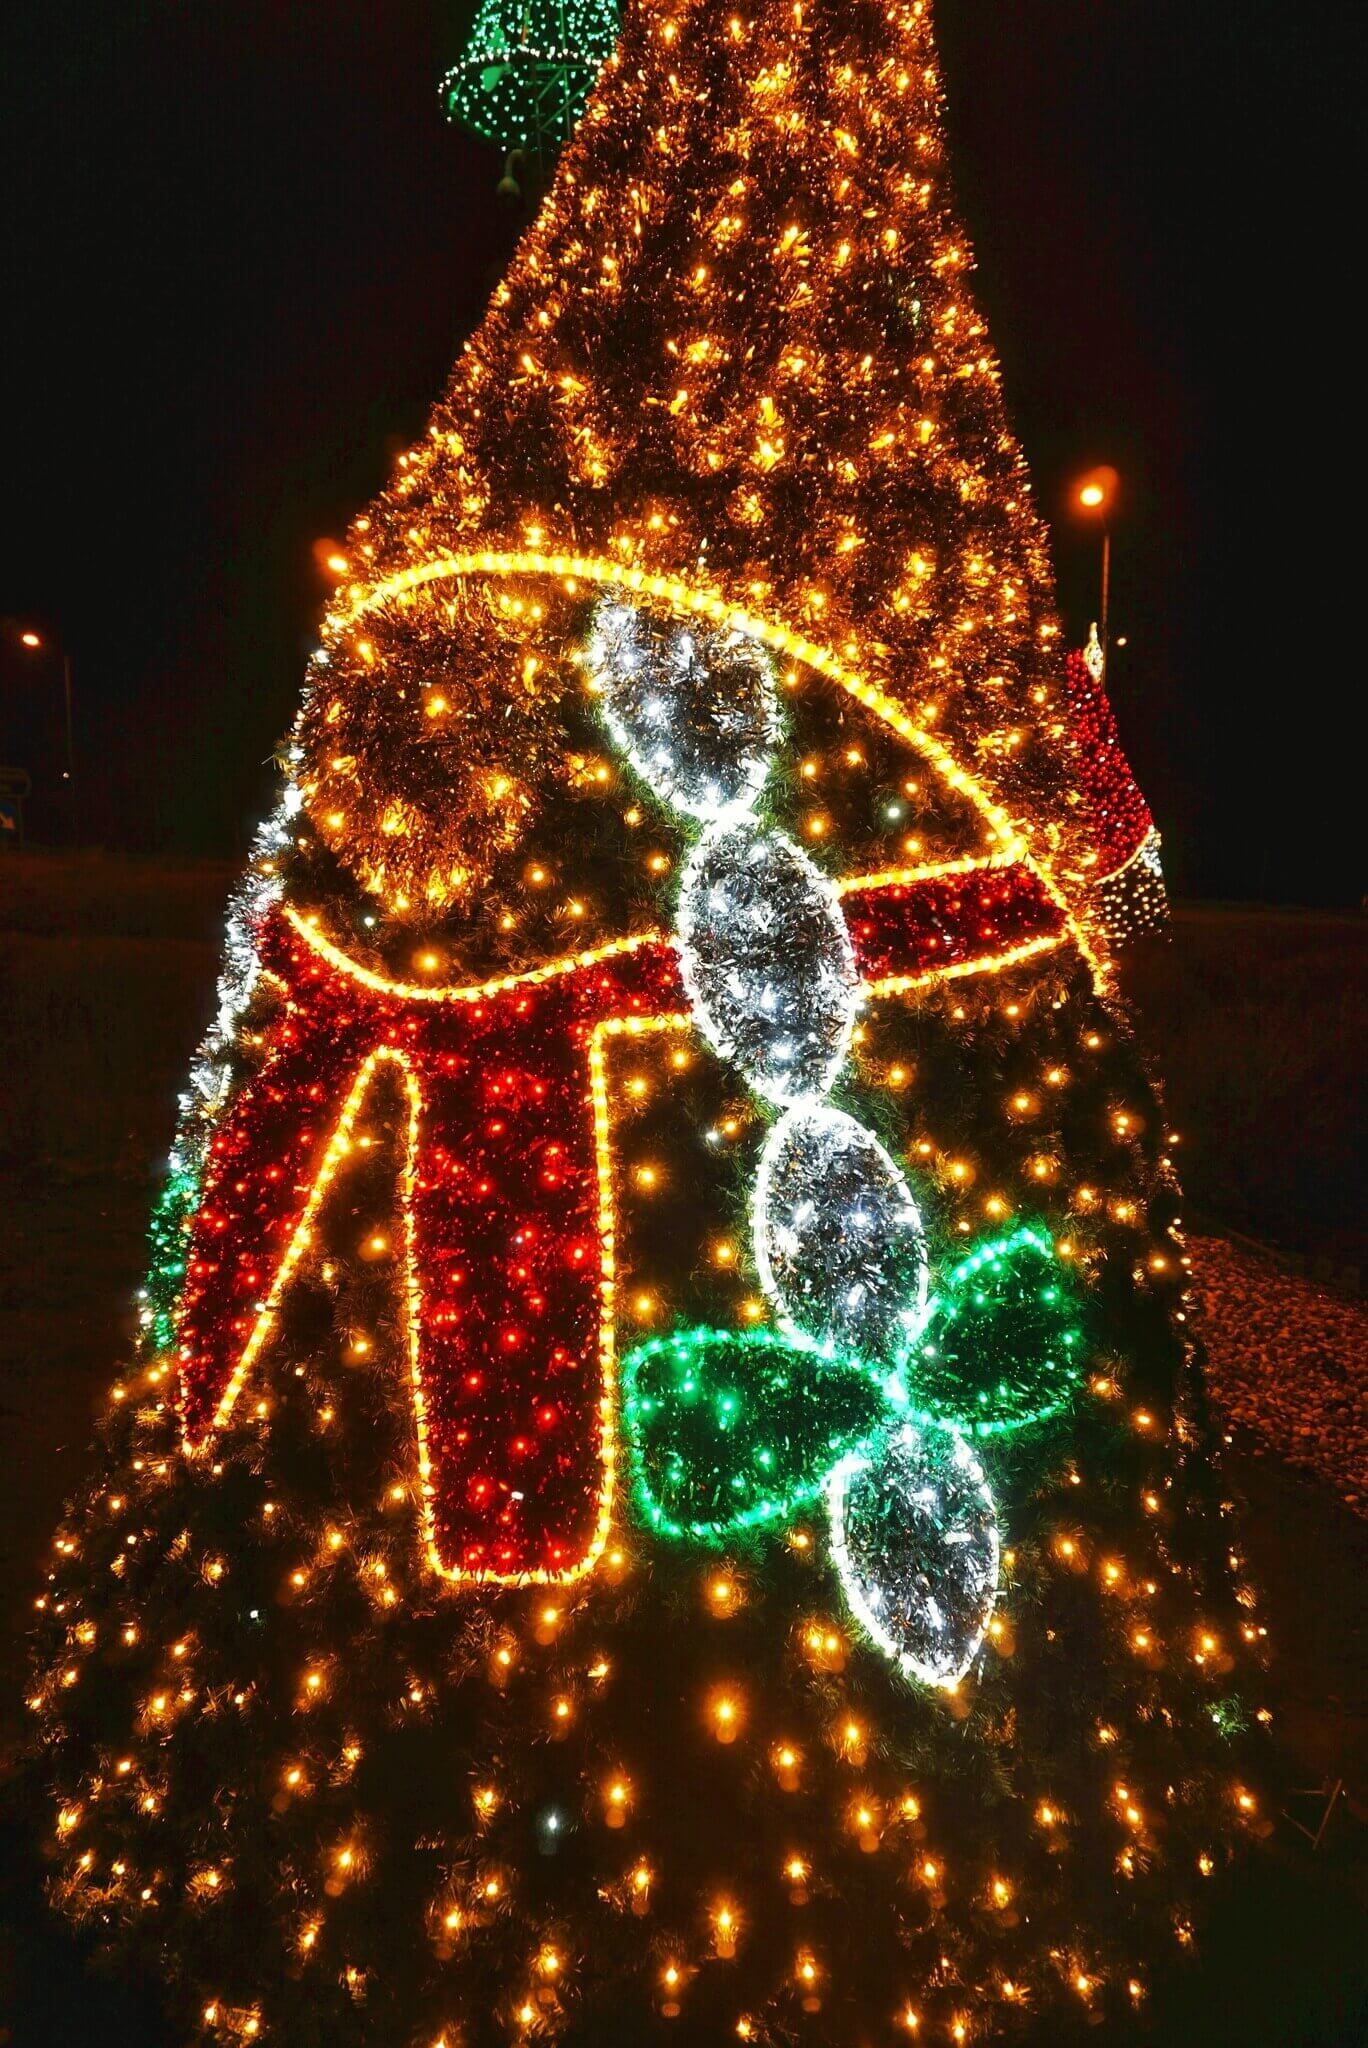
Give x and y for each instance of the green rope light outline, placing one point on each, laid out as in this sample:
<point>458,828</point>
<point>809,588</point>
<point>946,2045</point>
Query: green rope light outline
<point>1066,1375</point>
<point>898,1388</point>
<point>168,1244</point>
<point>781,1504</point>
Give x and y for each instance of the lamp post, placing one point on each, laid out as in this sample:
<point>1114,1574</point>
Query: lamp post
<point>35,643</point>
<point>1094,498</point>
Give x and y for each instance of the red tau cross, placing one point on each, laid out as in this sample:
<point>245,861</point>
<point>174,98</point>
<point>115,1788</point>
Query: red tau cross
<point>507,1235</point>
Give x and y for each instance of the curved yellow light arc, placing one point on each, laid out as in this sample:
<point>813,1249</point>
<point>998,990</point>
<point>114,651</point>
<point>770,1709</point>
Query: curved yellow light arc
<point>602,1034</point>
<point>685,597</point>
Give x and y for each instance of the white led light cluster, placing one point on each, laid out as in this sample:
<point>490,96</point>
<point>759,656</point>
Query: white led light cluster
<point>694,710</point>
<point>211,1070</point>
<point>769,969</point>
<point>915,1539</point>
<point>839,1241</point>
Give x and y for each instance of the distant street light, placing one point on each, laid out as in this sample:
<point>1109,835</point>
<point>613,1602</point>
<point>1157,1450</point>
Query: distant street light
<point>1094,496</point>
<point>329,559</point>
<point>36,644</point>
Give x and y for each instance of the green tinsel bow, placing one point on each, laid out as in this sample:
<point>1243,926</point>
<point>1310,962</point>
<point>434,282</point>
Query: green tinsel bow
<point>1002,1341</point>
<point>732,1430</point>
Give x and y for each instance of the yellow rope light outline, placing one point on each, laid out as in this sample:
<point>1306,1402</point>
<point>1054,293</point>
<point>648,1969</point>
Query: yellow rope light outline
<point>933,871</point>
<point>1152,837</point>
<point>339,1148</point>
<point>606,1028</point>
<point>683,597</point>
<point>987,963</point>
<point>465,992</point>
<point>306,925</point>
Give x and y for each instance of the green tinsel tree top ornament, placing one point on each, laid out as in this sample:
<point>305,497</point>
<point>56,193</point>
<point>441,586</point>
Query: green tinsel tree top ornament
<point>527,69</point>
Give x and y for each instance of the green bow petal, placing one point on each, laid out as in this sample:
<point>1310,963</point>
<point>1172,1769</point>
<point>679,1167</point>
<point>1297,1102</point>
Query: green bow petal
<point>730,1430</point>
<point>168,1242</point>
<point>1003,1344</point>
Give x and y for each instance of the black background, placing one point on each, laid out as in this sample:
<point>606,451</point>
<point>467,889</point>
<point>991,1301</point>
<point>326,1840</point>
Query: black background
<point>241,247</point>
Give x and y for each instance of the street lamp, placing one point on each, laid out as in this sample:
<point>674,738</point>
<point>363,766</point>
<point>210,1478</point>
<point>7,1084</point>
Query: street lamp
<point>36,645</point>
<point>1094,497</point>
<point>329,559</point>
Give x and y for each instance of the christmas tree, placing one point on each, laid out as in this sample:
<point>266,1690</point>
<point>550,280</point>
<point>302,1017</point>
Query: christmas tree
<point>667,1491</point>
<point>527,68</point>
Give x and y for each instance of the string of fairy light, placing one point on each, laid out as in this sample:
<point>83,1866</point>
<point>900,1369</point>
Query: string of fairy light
<point>332,1027</point>
<point>428,1447</point>
<point>527,68</point>
<point>1020,1108</point>
<point>394,851</point>
<point>722,1590</point>
<point>727,1708</point>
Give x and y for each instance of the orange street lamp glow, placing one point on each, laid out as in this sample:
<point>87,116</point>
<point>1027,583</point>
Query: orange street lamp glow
<point>1096,492</point>
<point>1094,495</point>
<point>35,643</point>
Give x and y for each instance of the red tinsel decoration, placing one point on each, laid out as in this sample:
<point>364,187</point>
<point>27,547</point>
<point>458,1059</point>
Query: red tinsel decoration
<point>506,1254</point>
<point>1119,817</point>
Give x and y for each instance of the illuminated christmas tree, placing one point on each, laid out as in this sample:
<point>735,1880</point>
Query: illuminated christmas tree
<point>667,1491</point>
<point>527,69</point>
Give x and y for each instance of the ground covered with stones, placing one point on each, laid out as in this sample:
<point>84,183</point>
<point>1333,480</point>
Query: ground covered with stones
<point>1288,1360</point>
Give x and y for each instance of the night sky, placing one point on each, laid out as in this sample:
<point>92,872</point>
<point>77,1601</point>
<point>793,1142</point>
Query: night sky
<point>241,247</point>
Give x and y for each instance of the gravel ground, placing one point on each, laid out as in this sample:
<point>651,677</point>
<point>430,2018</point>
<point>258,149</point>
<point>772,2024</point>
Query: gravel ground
<point>1287,1360</point>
